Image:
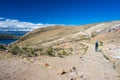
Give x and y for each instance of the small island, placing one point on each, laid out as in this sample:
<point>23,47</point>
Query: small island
<point>4,36</point>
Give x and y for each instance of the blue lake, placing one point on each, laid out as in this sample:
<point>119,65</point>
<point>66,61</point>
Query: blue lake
<point>7,41</point>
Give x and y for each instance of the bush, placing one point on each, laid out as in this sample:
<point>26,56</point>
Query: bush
<point>2,47</point>
<point>101,43</point>
<point>49,51</point>
<point>64,52</point>
<point>94,35</point>
<point>15,50</point>
<point>71,49</point>
<point>30,52</point>
<point>86,48</point>
<point>22,51</point>
<point>40,49</point>
<point>24,48</point>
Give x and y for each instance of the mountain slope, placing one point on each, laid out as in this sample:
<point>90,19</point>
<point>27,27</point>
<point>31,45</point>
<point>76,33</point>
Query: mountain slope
<point>50,36</point>
<point>43,36</point>
<point>59,40</point>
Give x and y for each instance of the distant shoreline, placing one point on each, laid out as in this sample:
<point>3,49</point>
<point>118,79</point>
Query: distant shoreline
<point>7,37</point>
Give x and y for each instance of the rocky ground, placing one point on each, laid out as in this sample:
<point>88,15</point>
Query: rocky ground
<point>91,66</point>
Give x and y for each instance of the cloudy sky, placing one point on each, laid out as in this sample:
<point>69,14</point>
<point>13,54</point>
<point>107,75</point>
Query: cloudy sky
<point>24,13</point>
<point>16,25</point>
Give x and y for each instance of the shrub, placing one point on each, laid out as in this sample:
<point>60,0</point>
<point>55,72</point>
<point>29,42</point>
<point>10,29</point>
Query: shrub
<point>58,54</point>
<point>15,50</point>
<point>2,47</point>
<point>64,52</point>
<point>24,48</point>
<point>61,53</point>
<point>114,65</point>
<point>24,51</point>
<point>71,49</point>
<point>101,43</point>
<point>94,34</point>
<point>86,48</point>
<point>49,51</point>
<point>118,75</point>
<point>40,49</point>
<point>30,52</point>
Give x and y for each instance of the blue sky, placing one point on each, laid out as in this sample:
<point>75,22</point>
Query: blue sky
<point>67,12</point>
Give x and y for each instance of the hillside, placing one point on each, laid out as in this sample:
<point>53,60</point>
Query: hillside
<point>49,34</point>
<point>64,53</point>
<point>60,34</point>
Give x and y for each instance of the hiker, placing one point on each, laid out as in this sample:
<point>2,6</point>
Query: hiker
<point>96,46</point>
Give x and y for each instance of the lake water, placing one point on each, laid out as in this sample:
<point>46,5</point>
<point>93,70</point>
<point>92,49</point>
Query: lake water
<point>8,41</point>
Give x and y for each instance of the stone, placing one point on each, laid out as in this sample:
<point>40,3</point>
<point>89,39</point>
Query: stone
<point>61,72</point>
<point>72,69</point>
<point>46,65</point>
<point>75,78</point>
<point>50,67</point>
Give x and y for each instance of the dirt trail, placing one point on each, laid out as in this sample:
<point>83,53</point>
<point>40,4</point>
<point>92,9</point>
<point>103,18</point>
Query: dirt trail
<point>96,67</point>
<point>92,66</point>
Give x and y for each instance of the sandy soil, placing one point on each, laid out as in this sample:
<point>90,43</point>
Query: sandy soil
<point>91,66</point>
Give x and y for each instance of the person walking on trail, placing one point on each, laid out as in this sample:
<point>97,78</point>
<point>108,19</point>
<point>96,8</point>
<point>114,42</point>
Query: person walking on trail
<point>96,46</point>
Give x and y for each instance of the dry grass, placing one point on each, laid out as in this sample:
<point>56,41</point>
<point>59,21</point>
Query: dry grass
<point>48,34</point>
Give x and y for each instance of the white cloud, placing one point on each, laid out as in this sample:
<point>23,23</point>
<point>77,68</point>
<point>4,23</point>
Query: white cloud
<point>18,25</point>
<point>1,18</point>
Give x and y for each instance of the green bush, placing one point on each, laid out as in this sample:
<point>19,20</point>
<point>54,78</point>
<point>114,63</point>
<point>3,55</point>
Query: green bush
<point>86,48</point>
<point>24,51</point>
<point>49,51</point>
<point>24,48</point>
<point>64,52</point>
<point>40,49</point>
<point>101,43</point>
<point>30,52</point>
<point>2,47</point>
<point>94,35</point>
<point>15,50</point>
<point>71,49</point>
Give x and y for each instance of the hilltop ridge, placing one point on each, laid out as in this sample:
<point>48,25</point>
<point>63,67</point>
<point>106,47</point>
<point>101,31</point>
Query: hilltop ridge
<point>65,33</point>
